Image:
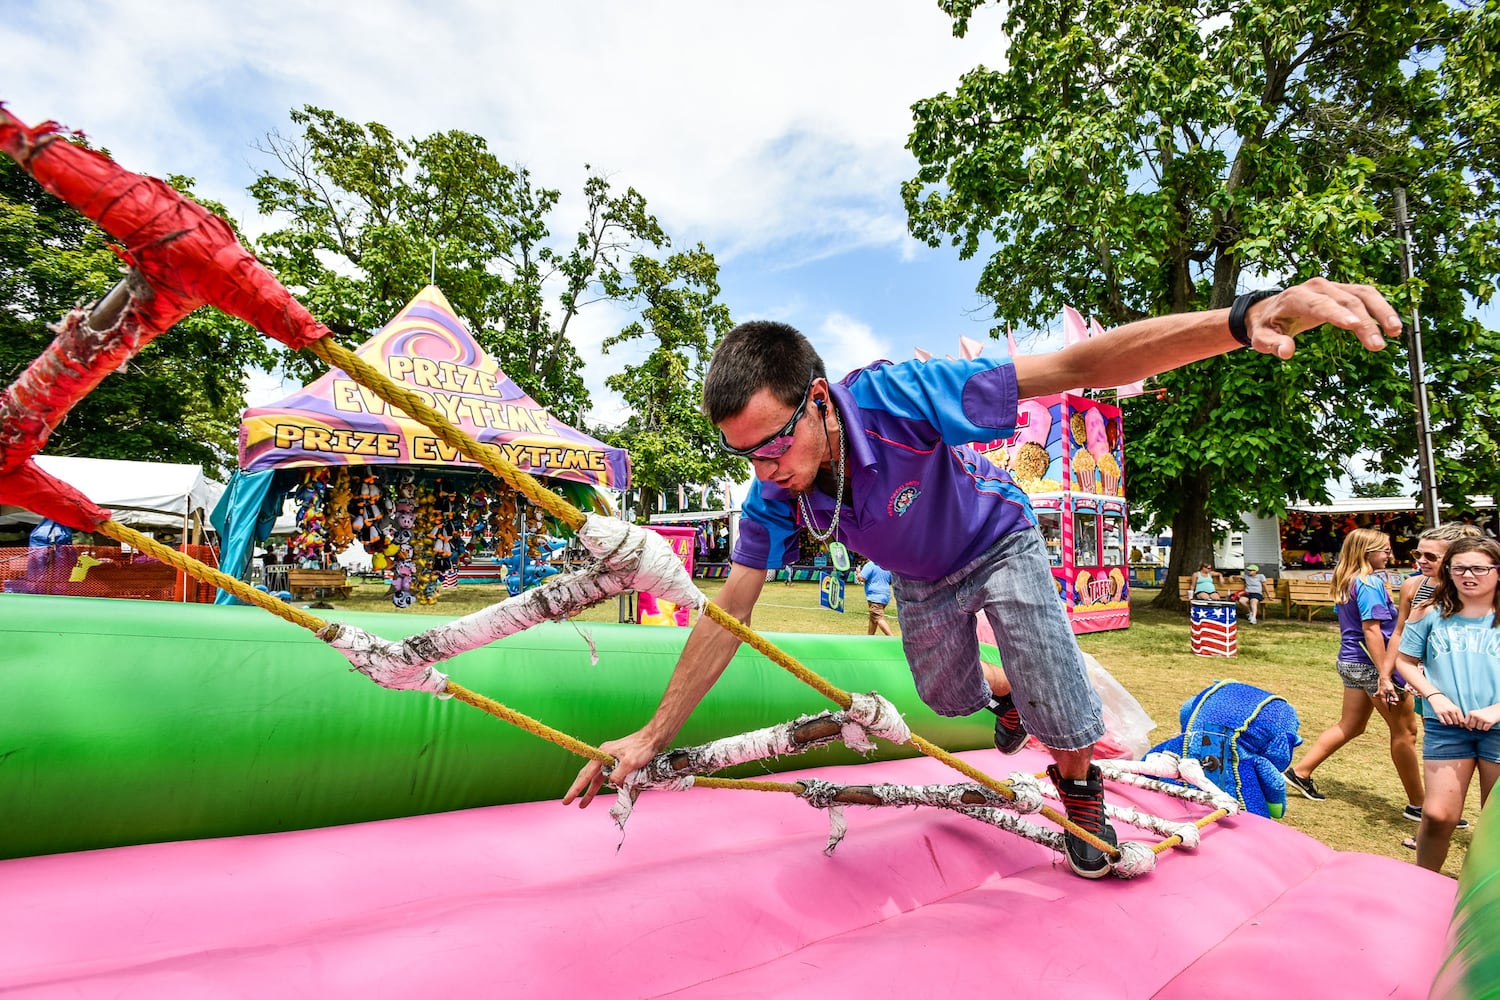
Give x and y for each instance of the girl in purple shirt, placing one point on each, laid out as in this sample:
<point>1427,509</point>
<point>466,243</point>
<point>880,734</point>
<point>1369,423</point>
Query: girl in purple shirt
<point>1367,616</point>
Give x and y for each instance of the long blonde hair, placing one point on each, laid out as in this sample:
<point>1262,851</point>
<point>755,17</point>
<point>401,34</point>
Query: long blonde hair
<point>1354,561</point>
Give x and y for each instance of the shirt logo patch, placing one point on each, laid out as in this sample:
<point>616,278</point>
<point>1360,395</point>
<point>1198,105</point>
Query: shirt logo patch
<point>903,498</point>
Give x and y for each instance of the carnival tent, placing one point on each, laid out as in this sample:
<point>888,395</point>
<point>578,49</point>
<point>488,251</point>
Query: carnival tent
<point>335,421</point>
<point>141,494</point>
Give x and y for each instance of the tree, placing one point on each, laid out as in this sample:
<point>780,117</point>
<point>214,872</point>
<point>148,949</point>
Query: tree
<point>1136,159</point>
<point>179,400</point>
<point>369,217</point>
<point>671,442</point>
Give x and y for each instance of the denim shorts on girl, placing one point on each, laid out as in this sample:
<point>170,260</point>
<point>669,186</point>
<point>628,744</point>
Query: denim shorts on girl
<point>1012,584</point>
<point>1441,741</point>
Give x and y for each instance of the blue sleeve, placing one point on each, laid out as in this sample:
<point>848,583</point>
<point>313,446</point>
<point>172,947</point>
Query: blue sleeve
<point>768,532</point>
<point>1414,636</point>
<point>964,401</point>
<point>1374,600</point>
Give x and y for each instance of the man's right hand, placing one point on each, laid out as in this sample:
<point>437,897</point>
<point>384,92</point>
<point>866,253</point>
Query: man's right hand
<point>631,753</point>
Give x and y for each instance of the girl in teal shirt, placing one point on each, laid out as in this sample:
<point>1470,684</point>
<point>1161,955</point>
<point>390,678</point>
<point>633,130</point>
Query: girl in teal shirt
<point>1451,658</point>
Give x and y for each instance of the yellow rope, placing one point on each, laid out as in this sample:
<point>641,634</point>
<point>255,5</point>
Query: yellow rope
<point>202,571</point>
<point>312,623</point>
<point>335,355</point>
<point>1175,839</point>
<point>527,723</point>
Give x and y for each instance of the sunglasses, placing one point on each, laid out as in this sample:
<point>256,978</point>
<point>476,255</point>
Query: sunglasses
<point>777,444</point>
<point>1427,556</point>
<point>1475,571</point>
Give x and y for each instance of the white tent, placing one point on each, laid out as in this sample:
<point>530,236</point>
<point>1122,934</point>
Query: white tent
<point>143,495</point>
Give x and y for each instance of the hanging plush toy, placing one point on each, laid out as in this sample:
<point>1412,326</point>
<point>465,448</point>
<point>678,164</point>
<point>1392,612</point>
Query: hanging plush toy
<point>425,584</point>
<point>339,514</point>
<point>401,578</point>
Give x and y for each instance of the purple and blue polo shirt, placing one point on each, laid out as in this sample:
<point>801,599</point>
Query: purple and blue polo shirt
<point>926,504</point>
<point>1369,601</point>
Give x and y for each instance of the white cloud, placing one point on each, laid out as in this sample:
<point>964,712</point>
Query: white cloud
<point>745,126</point>
<point>774,130</point>
<point>845,344</point>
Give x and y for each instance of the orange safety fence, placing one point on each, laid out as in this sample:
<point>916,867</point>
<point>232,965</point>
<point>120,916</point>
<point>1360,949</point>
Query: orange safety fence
<point>102,571</point>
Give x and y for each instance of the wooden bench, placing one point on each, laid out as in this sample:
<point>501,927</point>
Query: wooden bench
<point>1310,596</point>
<point>306,583</point>
<point>1313,595</point>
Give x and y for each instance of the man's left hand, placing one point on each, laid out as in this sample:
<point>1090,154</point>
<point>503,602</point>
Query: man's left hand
<point>1273,322</point>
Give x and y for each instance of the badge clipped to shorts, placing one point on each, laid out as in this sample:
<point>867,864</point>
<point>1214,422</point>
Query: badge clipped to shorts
<point>839,556</point>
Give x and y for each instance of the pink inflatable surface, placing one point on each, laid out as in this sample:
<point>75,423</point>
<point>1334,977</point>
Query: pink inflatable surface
<point>717,894</point>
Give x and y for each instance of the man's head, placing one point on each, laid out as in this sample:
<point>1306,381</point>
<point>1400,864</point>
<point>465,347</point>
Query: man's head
<point>763,380</point>
<point>759,355</point>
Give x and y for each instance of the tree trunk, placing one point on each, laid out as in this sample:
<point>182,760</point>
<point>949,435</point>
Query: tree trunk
<point>1192,537</point>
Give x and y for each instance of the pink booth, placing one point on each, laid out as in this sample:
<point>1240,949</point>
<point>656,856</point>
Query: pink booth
<point>1068,454</point>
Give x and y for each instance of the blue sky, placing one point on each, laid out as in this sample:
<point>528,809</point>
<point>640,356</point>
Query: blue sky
<point>773,132</point>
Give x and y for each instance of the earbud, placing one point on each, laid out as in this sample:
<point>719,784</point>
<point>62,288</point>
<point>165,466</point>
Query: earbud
<point>820,404</point>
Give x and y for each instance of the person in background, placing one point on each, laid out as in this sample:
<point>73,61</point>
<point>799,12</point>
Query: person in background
<point>1367,616</point>
<point>877,583</point>
<point>1450,655</point>
<point>1205,584</point>
<point>1254,594</point>
<point>1416,591</point>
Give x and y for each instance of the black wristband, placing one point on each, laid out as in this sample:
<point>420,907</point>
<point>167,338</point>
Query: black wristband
<point>1241,309</point>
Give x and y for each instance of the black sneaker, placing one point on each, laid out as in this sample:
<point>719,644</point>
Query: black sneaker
<point>1084,802</point>
<point>1414,813</point>
<point>1010,731</point>
<point>1303,785</point>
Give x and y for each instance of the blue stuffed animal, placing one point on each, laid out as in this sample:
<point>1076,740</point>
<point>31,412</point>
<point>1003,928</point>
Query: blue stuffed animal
<point>1244,737</point>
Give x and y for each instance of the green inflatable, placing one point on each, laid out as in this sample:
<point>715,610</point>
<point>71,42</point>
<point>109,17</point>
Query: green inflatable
<point>1472,970</point>
<point>127,722</point>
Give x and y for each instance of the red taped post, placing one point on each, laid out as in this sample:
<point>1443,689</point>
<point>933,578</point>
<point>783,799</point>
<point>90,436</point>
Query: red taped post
<point>28,486</point>
<point>183,257</point>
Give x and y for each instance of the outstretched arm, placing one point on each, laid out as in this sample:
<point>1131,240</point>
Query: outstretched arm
<point>1152,346</point>
<point>707,652</point>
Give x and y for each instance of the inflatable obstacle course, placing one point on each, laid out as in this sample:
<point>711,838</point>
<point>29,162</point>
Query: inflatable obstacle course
<point>127,722</point>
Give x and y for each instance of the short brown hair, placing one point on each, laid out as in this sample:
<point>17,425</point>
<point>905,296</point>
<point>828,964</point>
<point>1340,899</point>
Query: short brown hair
<point>759,355</point>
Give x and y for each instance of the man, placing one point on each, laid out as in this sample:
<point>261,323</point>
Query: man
<point>880,461</point>
<point>877,581</point>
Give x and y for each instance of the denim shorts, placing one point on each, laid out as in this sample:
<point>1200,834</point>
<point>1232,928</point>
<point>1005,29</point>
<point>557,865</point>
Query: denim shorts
<point>1012,584</point>
<point>1441,741</point>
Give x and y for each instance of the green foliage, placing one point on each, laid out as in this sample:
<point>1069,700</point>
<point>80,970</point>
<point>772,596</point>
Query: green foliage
<point>179,400</point>
<point>671,443</point>
<point>1136,159</point>
<point>365,213</point>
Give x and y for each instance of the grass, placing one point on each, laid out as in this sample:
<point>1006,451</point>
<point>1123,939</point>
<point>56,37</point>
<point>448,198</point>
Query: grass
<point>1153,661</point>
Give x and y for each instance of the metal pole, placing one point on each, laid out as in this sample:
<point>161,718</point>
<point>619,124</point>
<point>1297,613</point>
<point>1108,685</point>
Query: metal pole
<point>1425,466</point>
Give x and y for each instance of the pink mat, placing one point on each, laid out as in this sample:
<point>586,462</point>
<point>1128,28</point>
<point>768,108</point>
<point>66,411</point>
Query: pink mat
<point>716,894</point>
